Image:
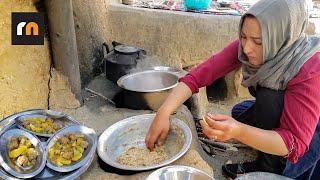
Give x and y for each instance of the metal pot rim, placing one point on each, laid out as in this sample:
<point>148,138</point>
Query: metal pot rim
<point>120,81</point>
<point>165,68</point>
<point>156,174</point>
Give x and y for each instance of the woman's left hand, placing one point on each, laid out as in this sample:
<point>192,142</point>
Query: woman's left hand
<point>220,127</point>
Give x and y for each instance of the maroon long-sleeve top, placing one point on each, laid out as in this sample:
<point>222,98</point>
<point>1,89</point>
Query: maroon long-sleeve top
<point>301,111</point>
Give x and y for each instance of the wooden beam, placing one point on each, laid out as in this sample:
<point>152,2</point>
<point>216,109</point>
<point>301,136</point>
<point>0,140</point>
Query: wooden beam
<point>63,42</point>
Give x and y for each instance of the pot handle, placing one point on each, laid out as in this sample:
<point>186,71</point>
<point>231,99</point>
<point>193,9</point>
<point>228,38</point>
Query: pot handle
<point>105,49</point>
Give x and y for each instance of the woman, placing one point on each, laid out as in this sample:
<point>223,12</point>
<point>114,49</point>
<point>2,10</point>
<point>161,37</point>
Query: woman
<point>281,68</point>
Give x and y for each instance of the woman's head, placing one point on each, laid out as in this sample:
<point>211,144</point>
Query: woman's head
<point>251,40</point>
<point>273,44</point>
<point>279,23</point>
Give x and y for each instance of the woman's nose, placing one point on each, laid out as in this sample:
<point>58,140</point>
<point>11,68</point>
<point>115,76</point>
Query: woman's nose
<point>247,48</point>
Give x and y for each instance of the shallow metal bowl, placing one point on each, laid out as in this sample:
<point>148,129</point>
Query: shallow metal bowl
<point>91,138</point>
<point>148,81</point>
<point>131,132</point>
<point>177,173</point>
<point>262,176</point>
<point>62,119</point>
<point>10,166</point>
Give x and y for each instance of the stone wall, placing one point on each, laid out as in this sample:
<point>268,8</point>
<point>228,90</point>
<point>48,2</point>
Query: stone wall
<point>24,70</point>
<point>181,39</point>
<point>92,29</point>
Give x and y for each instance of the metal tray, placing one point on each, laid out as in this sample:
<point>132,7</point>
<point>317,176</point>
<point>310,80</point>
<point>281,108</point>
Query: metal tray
<point>131,132</point>
<point>47,173</point>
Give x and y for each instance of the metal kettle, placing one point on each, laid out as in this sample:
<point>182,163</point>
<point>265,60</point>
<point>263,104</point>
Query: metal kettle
<point>121,60</point>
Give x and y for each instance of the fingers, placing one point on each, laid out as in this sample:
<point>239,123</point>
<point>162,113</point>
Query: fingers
<point>218,117</point>
<point>150,140</point>
<point>216,121</point>
<point>147,140</point>
<point>162,137</point>
<point>156,136</point>
<point>211,133</point>
<point>204,120</point>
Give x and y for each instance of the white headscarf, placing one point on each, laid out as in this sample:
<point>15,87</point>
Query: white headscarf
<point>285,46</point>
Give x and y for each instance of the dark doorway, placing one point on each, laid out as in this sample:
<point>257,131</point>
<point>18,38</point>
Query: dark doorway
<point>217,91</point>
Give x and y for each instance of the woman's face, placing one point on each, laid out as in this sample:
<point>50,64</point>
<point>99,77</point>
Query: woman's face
<point>251,40</point>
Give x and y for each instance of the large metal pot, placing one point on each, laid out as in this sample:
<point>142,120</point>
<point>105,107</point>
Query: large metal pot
<point>147,89</point>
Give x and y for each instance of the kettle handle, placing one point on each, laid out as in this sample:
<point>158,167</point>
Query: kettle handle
<point>105,49</point>
<point>115,43</point>
<point>141,53</point>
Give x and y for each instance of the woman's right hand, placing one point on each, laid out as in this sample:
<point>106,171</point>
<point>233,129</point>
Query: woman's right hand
<point>158,130</point>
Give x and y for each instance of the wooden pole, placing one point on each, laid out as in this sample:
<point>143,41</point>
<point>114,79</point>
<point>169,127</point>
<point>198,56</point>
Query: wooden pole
<point>63,42</point>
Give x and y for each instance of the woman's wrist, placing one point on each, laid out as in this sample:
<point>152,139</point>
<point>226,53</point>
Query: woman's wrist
<point>167,108</point>
<point>163,112</point>
<point>239,130</point>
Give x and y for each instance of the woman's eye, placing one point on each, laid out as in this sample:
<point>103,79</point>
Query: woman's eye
<point>243,39</point>
<point>258,42</point>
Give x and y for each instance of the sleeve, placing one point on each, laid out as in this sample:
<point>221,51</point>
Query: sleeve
<point>300,116</point>
<point>214,68</point>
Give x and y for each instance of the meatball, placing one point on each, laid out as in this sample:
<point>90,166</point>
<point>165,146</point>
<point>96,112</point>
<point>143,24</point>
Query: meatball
<point>14,143</point>
<point>22,160</point>
<point>64,140</point>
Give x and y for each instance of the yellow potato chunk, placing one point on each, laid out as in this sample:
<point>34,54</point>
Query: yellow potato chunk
<point>80,149</point>
<point>63,161</point>
<point>76,155</point>
<point>51,152</point>
<point>17,152</point>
